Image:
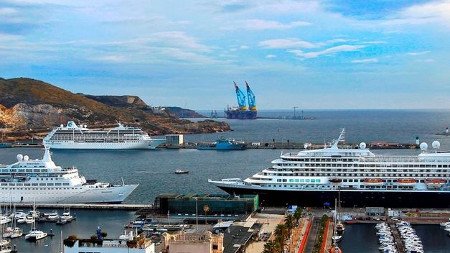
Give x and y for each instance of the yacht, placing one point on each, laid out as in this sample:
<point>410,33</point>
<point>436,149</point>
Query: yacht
<point>73,136</point>
<point>35,235</point>
<point>41,181</point>
<point>5,246</point>
<point>315,177</point>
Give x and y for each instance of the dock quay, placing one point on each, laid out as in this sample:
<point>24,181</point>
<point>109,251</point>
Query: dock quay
<point>399,245</point>
<point>123,207</point>
<point>274,144</point>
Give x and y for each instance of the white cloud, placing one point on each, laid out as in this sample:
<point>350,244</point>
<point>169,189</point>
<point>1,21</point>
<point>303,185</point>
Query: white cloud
<point>287,43</point>
<point>429,60</point>
<point>334,41</point>
<point>417,53</point>
<point>180,39</point>
<point>435,11</point>
<point>368,60</point>
<point>270,56</point>
<point>328,51</point>
<point>374,42</point>
<point>111,58</point>
<point>7,11</point>
<point>261,24</point>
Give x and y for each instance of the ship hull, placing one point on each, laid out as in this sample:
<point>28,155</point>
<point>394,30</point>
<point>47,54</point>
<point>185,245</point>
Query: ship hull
<point>147,144</point>
<point>349,198</point>
<point>232,114</point>
<point>66,195</point>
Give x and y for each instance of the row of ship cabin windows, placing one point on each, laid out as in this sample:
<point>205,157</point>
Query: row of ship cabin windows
<point>33,184</point>
<point>378,165</point>
<point>327,186</point>
<point>360,169</point>
<point>357,175</point>
<point>320,159</point>
<point>93,137</point>
<point>23,170</point>
<point>344,180</point>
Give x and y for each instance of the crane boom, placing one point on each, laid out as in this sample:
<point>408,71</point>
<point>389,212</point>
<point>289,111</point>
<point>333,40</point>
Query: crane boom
<point>240,98</point>
<point>251,98</point>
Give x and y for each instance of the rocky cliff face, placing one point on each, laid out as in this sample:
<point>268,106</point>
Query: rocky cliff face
<point>28,105</point>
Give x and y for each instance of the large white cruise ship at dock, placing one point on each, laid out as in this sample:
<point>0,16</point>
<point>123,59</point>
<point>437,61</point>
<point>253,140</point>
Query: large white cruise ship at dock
<point>73,136</point>
<point>361,178</point>
<point>41,181</point>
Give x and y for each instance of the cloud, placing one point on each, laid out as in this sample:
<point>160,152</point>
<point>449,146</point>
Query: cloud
<point>270,56</point>
<point>417,53</point>
<point>110,58</point>
<point>328,51</point>
<point>435,11</point>
<point>7,11</point>
<point>286,43</point>
<point>261,24</point>
<point>180,39</point>
<point>368,60</point>
<point>374,42</point>
<point>429,60</point>
<point>334,41</point>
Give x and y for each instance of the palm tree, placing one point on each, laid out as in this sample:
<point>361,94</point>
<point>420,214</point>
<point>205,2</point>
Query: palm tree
<point>289,222</point>
<point>269,247</point>
<point>297,214</point>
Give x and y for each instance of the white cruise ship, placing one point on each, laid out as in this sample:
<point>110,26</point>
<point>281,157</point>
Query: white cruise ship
<point>316,177</point>
<point>72,136</point>
<point>41,181</point>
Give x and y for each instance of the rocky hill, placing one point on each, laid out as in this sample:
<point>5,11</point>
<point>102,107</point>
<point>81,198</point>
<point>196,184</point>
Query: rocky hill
<point>30,107</point>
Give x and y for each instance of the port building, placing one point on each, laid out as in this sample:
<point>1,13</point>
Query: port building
<point>206,204</point>
<point>197,242</point>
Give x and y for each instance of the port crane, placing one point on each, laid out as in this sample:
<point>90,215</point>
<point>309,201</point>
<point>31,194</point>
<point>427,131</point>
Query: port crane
<point>240,98</point>
<point>251,98</point>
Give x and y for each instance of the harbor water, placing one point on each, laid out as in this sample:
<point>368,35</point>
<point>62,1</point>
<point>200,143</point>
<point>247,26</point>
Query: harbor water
<point>154,169</point>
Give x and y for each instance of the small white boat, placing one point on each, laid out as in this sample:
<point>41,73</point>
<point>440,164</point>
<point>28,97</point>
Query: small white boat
<point>35,235</point>
<point>21,220</point>
<point>67,216</point>
<point>5,246</point>
<point>29,219</point>
<point>53,216</point>
<point>4,219</point>
<point>17,232</point>
<point>7,232</point>
<point>179,171</point>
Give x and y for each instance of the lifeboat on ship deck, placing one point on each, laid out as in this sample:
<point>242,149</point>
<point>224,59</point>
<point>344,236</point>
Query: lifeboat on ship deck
<point>435,183</point>
<point>406,181</point>
<point>373,181</point>
<point>335,180</point>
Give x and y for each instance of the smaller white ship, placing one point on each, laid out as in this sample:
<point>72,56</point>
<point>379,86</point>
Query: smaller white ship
<point>42,181</point>
<point>73,136</point>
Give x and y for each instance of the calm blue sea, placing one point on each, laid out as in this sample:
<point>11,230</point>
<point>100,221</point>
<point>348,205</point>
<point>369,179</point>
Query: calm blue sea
<point>154,170</point>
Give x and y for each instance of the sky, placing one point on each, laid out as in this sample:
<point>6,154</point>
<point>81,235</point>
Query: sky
<point>322,54</point>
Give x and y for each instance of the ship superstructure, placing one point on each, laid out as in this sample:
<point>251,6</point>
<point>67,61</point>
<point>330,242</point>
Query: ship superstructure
<point>73,136</point>
<point>315,177</point>
<point>42,181</point>
<point>243,111</point>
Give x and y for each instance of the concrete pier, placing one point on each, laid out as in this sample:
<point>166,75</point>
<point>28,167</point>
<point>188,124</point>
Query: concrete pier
<point>130,207</point>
